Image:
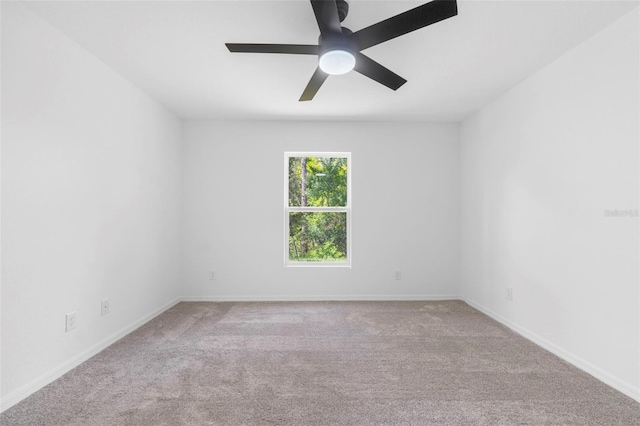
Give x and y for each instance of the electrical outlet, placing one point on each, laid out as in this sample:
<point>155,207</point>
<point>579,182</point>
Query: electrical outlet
<point>509,294</point>
<point>212,275</point>
<point>104,307</point>
<point>397,275</point>
<point>70,321</point>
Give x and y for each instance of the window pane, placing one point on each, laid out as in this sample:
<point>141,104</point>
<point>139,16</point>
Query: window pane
<point>317,237</point>
<point>317,182</point>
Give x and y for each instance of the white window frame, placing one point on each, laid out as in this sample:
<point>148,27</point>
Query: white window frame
<point>288,209</point>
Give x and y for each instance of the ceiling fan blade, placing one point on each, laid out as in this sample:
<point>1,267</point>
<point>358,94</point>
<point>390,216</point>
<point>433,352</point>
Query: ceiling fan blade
<point>294,49</point>
<point>411,20</point>
<point>316,81</point>
<point>326,12</point>
<point>370,68</point>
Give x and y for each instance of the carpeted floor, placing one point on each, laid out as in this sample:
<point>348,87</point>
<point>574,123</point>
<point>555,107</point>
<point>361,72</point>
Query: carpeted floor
<point>324,363</point>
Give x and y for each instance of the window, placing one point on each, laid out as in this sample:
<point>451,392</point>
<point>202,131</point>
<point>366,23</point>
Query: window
<point>317,209</point>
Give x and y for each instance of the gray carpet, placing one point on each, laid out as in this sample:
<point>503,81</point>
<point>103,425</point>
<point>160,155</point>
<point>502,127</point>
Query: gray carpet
<point>324,363</point>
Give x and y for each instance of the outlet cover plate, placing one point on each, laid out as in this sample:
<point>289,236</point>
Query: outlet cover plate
<point>509,293</point>
<point>70,321</point>
<point>104,307</point>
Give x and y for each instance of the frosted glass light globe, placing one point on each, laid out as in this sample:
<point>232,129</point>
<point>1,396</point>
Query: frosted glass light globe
<point>336,62</point>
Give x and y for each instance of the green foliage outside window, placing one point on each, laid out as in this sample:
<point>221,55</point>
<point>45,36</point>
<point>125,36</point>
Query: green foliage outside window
<point>317,182</point>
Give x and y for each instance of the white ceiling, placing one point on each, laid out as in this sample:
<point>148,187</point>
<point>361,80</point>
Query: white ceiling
<point>174,50</point>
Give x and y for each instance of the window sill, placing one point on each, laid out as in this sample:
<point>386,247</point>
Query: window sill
<point>317,264</point>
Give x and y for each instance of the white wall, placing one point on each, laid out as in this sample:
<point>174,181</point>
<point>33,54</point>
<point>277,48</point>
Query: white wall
<point>405,210</point>
<point>91,188</point>
<point>539,167</point>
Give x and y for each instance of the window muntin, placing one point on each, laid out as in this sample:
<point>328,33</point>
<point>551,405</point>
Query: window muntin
<point>317,209</point>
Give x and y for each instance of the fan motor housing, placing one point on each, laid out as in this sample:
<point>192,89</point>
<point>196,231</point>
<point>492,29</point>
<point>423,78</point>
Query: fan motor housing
<point>338,42</point>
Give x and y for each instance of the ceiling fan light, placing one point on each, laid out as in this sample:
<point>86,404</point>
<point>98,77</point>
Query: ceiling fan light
<point>336,62</point>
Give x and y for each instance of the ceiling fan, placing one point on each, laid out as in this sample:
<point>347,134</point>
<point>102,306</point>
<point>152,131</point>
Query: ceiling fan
<point>339,49</point>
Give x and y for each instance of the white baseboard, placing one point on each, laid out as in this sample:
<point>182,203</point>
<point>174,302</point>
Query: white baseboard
<point>622,386</point>
<point>21,393</point>
<point>323,298</point>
